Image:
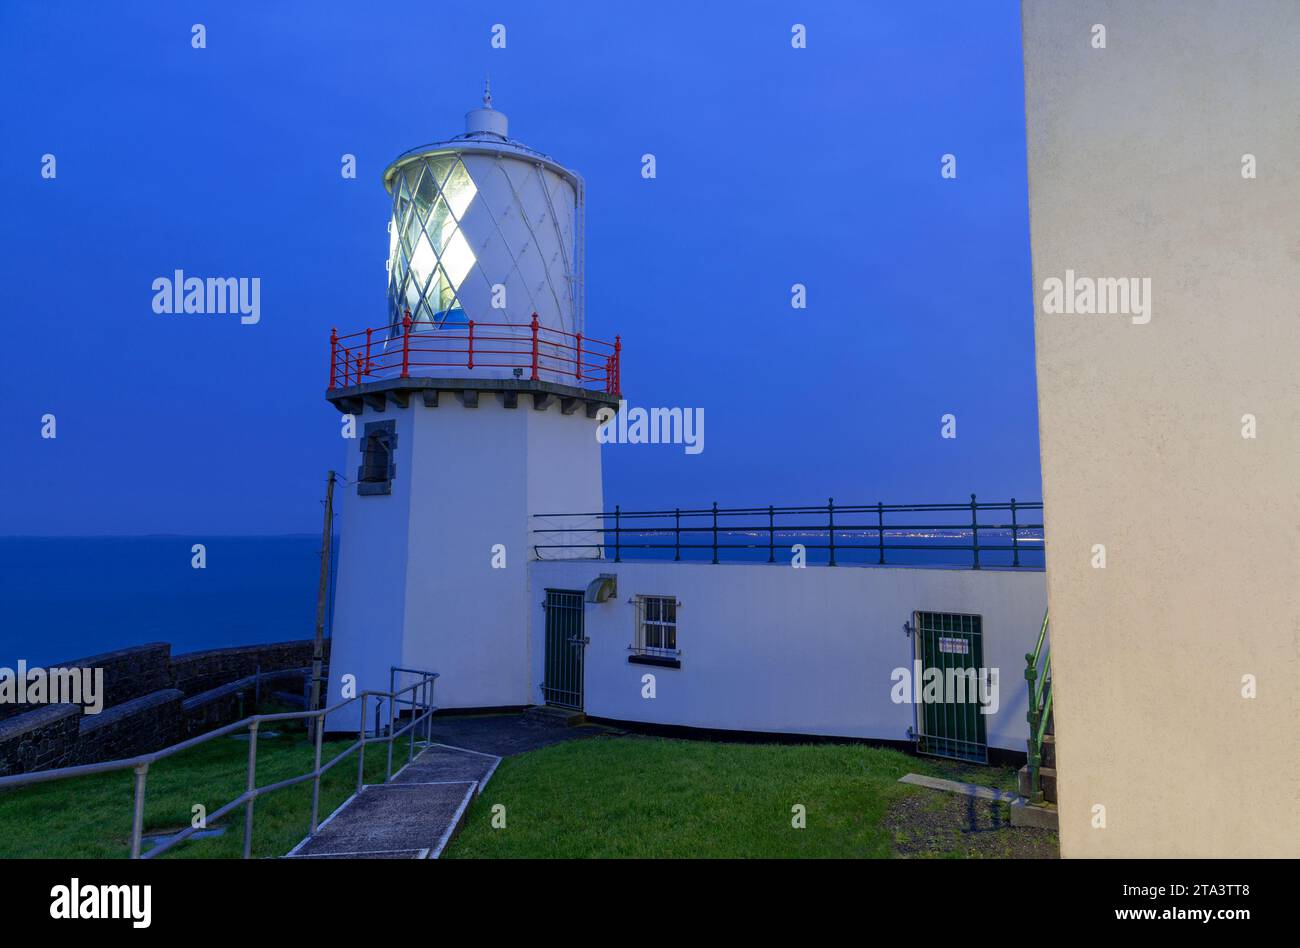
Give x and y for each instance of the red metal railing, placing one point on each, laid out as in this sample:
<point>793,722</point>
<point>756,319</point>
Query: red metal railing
<point>543,353</point>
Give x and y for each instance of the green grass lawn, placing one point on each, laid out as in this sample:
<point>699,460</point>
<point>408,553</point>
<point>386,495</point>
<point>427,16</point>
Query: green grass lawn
<point>90,817</point>
<point>653,798</point>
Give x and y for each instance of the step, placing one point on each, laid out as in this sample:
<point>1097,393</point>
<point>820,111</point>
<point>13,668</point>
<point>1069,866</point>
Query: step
<point>553,716</point>
<point>1039,816</point>
<point>1046,777</point>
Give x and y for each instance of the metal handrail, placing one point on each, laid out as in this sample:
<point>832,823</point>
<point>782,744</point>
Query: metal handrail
<point>606,529</point>
<point>141,763</point>
<point>1038,673</point>
<point>393,351</point>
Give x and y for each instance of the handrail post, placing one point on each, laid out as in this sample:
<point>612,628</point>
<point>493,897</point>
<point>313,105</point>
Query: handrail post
<point>137,820</point>
<point>334,353</point>
<point>1015,536</point>
<point>880,530</point>
<point>771,533</point>
<point>577,369</point>
<point>975,531</point>
<point>618,534</point>
<point>470,363</point>
<point>618,365</point>
<point>252,784</point>
<point>388,775</point>
<point>406,344</point>
<point>361,751</point>
<point>830,519</point>
<point>534,327</point>
<point>715,531</point>
<point>369,333</point>
<point>315,789</point>
<point>677,534</point>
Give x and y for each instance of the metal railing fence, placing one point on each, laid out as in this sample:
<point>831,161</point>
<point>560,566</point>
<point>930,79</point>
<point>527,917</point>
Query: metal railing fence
<point>842,531</point>
<point>1038,672</point>
<point>420,703</point>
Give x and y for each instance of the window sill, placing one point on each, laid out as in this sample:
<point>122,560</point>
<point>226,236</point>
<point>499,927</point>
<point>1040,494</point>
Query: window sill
<point>656,660</point>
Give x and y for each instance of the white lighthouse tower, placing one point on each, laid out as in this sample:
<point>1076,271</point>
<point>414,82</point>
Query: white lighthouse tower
<point>475,401</point>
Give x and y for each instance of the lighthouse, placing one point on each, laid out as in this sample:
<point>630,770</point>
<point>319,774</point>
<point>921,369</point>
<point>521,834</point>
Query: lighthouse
<point>470,408</point>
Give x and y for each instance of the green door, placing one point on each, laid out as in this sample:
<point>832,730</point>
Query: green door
<point>565,645</point>
<point>950,645</point>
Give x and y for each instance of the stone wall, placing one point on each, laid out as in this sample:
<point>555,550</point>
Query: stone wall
<point>151,700</point>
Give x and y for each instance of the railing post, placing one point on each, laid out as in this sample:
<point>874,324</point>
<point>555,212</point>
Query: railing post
<point>334,353</point>
<point>618,365</point>
<point>315,789</point>
<point>1015,536</point>
<point>137,820</point>
<point>677,534</point>
<point>470,363</point>
<point>534,326</point>
<point>830,519</point>
<point>406,344</point>
<point>771,533</point>
<point>388,774</point>
<point>577,369</point>
<point>361,751</point>
<point>618,534</point>
<point>975,531</point>
<point>715,531</point>
<point>880,530</point>
<point>369,332</point>
<point>252,784</point>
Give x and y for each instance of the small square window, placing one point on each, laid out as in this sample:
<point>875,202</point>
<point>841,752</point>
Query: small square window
<point>655,641</point>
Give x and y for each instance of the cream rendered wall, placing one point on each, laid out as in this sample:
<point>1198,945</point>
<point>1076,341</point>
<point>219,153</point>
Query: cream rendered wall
<point>1135,158</point>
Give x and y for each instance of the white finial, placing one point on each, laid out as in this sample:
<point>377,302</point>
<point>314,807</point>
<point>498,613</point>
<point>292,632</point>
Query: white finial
<point>487,91</point>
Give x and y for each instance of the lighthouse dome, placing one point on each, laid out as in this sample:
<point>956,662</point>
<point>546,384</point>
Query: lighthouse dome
<point>484,228</point>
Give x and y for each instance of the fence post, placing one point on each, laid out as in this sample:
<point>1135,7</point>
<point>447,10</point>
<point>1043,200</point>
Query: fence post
<point>406,344</point>
<point>975,531</point>
<point>618,365</point>
<point>361,751</point>
<point>577,369</point>
<point>771,533</point>
<point>137,821</point>
<point>369,333</point>
<point>880,521</point>
<point>252,784</point>
<point>830,519</point>
<point>470,364</point>
<point>618,534</point>
<point>715,531</point>
<point>388,774</point>
<point>334,352</point>
<point>1015,536</point>
<point>677,534</point>
<point>534,325</point>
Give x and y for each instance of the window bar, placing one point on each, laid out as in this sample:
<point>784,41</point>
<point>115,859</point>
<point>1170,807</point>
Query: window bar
<point>677,534</point>
<point>975,531</point>
<point>830,516</point>
<point>771,535</point>
<point>880,520</point>
<point>1015,536</point>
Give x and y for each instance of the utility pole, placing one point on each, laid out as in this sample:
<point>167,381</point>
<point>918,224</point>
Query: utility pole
<point>318,653</point>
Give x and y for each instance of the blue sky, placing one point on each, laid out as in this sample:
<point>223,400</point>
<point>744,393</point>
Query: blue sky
<point>775,166</point>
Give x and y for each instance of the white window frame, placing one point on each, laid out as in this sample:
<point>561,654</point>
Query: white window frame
<point>640,641</point>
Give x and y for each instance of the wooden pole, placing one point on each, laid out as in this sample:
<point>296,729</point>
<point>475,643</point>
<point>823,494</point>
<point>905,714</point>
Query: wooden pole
<point>318,652</point>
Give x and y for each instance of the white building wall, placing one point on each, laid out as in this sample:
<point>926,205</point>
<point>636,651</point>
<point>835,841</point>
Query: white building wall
<point>803,651</point>
<point>416,585</point>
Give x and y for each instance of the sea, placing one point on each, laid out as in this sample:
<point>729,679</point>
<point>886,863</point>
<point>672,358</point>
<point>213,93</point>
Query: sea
<point>67,598</point>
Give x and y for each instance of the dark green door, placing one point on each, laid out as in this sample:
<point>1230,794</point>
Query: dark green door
<point>565,645</point>
<point>951,645</point>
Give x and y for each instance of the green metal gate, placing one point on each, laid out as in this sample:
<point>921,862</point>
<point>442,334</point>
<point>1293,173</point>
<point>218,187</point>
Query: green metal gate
<point>565,645</point>
<point>952,645</point>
